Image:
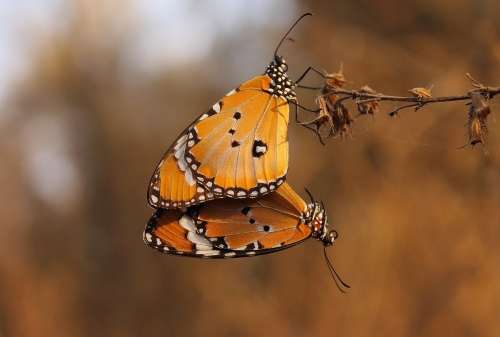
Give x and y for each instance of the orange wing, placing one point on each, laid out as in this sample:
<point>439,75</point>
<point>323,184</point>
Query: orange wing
<point>272,222</point>
<point>237,149</point>
<point>234,227</point>
<point>172,231</point>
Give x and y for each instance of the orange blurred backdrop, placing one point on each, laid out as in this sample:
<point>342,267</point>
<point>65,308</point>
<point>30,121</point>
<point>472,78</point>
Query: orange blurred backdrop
<point>107,86</point>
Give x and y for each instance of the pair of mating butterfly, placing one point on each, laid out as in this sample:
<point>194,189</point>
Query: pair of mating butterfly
<point>220,189</point>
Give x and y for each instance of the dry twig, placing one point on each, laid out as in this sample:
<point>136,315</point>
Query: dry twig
<point>332,113</point>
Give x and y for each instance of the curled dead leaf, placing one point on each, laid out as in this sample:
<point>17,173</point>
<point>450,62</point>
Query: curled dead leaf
<point>478,114</point>
<point>369,106</point>
<point>421,92</point>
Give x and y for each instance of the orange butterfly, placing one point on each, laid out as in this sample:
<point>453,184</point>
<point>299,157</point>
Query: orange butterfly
<point>226,228</point>
<point>238,148</point>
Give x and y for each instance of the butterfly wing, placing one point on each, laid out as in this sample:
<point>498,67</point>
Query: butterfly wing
<point>172,231</point>
<point>173,184</point>
<point>231,228</point>
<point>256,226</point>
<point>238,149</point>
<point>242,151</point>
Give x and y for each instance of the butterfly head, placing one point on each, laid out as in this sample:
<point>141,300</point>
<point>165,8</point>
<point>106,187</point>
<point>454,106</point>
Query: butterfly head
<point>280,62</point>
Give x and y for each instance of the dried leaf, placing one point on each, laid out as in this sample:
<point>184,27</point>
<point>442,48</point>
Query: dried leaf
<point>343,122</point>
<point>334,116</point>
<point>330,83</point>
<point>480,106</point>
<point>323,118</point>
<point>421,92</point>
<point>368,107</point>
<point>333,80</point>
<point>478,114</point>
<point>475,132</point>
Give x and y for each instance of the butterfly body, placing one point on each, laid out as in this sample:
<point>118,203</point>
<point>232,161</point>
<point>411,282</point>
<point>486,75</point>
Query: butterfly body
<point>238,148</point>
<point>227,227</point>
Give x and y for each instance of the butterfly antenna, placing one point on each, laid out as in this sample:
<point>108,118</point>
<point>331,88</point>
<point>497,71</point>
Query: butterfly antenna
<point>334,273</point>
<point>284,37</point>
<point>310,195</point>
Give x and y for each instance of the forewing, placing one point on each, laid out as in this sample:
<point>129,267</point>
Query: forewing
<point>240,148</point>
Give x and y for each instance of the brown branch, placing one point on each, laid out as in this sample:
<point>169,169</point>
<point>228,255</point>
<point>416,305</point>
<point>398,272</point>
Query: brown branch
<point>332,112</point>
<point>353,94</point>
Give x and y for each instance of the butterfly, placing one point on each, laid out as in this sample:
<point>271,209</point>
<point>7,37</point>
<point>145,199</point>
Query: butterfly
<point>228,228</point>
<point>238,148</point>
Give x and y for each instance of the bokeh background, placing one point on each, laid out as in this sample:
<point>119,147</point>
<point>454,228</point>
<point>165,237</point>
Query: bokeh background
<point>92,93</point>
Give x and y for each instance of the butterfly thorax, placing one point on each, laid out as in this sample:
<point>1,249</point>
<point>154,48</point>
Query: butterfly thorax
<point>316,219</point>
<point>281,85</point>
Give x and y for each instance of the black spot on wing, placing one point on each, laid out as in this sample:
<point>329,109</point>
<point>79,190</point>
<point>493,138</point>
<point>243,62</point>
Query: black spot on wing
<point>237,115</point>
<point>235,143</point>
<point>246,210</point>
<point>259,148</point>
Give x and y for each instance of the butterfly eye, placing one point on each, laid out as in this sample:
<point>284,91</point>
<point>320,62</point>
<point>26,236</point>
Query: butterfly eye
<point>279,60</point>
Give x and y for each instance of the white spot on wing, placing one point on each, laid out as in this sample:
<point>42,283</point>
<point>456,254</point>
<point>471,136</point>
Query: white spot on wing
<point>187,223</point>
<point>180,142</point>
<point>182,163</point>
<point>180,151</point>
<point>200,241</point>
<point>154,199</point>
<point>148,237</point>
<point>188,176</point>
<point>216,107</point>
<point>208,252</point>
<point>260,149</point>
<point>231,92</point>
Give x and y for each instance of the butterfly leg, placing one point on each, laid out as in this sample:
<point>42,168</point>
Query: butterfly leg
<point>305,73</point>
<point>306,109</point>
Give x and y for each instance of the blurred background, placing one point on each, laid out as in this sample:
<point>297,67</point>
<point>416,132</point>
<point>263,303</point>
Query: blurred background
<point>92,93</point>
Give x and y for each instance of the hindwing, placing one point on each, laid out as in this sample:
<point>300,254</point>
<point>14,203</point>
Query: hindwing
<point>232,227</point>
